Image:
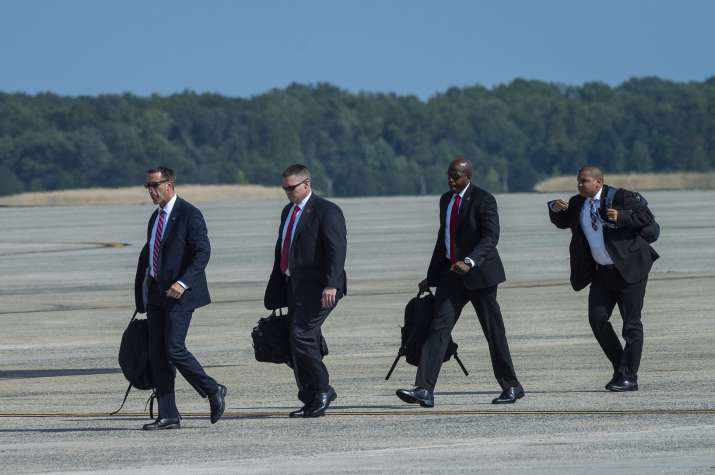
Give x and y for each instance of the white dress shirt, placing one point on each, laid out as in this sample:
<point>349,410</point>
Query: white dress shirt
<point>448,221</point>
<point>167,212</point>
<point>594,236</point>
<point>301,207</point>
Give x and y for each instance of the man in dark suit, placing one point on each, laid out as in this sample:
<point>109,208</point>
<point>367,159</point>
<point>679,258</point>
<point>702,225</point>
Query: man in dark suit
<point>465,267</point>
<point>309,278</point>
<point>170,284</point>
<point>610,251</point>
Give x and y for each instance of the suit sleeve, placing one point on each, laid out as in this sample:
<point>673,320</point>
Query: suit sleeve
<point>489,225</point>
<point>198,248</point>
<point>438,254</point>
<point>336,245</point>
<point>559,218</point>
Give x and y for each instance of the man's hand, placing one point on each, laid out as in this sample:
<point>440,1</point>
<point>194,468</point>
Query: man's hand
<point>612,214</point>
<point>560,205</point>
<point>423,286</point>
<point>328,299</point>
<point>175,291</point>
<point>460,268</point>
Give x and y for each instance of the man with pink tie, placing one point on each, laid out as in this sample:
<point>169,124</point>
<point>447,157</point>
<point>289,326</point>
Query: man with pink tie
<point>309,278</point>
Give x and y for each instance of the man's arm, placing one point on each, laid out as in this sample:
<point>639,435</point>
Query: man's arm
<point>635,213</point>
<point>334,233</point>
<point>558,214</point>
<point>489,225</point>
<point>199,248</point>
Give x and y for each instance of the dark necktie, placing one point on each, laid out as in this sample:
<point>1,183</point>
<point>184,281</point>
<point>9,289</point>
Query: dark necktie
<point>157,241</point>
<point>285,251</point>
<point>594,215</point>
<point>453,228</point>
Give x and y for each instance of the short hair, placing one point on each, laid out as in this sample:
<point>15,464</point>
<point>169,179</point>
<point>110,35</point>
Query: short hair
<point>296,169</point>
<point>166,173</point>
<point>592,171</point>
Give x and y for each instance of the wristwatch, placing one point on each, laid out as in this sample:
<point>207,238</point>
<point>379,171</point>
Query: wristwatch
<point>469,262</point>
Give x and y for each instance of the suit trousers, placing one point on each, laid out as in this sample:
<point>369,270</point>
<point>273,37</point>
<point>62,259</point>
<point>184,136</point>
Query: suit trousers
<point>608,289</point>
<point>167,350</point>
<point>450,299</point>
<point>306,319</point>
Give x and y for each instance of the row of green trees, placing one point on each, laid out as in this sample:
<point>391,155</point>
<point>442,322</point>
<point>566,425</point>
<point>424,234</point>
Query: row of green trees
<point>358,144</point>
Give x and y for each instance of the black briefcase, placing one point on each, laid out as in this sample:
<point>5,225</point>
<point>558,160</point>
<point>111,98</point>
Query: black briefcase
<point>271,339</point>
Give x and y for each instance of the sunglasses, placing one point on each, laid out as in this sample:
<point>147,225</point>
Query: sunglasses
<point>154,184</point>
<point>290,188</point>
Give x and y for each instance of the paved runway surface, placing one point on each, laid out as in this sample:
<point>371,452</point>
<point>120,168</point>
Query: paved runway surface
<point>66,296</point>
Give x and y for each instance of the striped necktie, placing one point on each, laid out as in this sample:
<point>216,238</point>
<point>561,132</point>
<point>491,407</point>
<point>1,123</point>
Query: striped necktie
<point>594,215</point>
<point>157,241</point>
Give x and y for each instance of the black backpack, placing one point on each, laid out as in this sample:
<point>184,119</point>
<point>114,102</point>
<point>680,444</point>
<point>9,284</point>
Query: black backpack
<point>134,359</point>
<point>271,339</point>
<point>419,313</point>
<point>650,233</point>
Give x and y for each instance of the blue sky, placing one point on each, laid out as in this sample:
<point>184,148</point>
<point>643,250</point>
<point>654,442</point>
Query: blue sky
<point>242,48</point>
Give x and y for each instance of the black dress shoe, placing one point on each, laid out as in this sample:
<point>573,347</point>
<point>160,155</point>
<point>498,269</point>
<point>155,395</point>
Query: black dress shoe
<point>320,404</point>
<point>421,396</point>
<point>217,401</point>
<point>161,424</point>
<point>615,377</point>
<point>622,384</point>
<point>298,413</point>
<point>509,395</point>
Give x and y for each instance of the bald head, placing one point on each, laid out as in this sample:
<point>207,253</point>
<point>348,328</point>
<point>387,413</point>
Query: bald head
<point>462,166</point>
<point>459,174</point>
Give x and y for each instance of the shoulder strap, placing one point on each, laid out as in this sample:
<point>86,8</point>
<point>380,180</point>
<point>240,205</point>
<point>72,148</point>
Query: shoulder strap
<point>610,194</point>
<point>125,400</point>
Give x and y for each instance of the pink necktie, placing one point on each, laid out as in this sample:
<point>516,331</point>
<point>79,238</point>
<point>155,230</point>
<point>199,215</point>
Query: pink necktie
<point>285,251</point>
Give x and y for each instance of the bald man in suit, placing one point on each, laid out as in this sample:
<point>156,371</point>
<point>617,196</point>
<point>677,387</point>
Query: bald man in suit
<point>465,267</point>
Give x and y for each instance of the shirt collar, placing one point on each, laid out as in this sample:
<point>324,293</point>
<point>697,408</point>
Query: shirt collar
<point>170,205</point>
<point>461,193</point>
<point>597,196</point>
<point>302,204</point>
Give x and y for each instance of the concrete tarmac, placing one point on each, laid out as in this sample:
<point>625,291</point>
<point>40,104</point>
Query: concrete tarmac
<point>66,296</point>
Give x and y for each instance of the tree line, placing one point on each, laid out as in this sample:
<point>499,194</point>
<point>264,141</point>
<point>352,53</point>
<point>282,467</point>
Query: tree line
<point>358,144</point>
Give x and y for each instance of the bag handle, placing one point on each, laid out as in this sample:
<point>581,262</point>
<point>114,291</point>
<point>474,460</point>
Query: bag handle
<point>428,291</point>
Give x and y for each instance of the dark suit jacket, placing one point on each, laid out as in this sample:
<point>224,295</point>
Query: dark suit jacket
<point>631,254</point>
<point>183,255</point>
<point>317,255</point>
<point>477,238</point>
